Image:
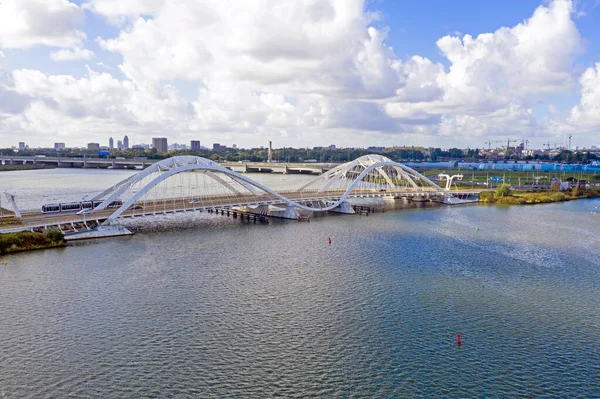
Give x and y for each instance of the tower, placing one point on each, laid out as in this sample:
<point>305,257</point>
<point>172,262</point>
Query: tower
<point>270,155</point>
<point>125,142</point>
<point>111,144</point>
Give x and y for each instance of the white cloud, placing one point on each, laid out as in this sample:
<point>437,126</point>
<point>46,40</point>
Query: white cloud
<point>516,62</point>
<point>314,70</point>
<point>115,9</point>
<point>26,23</point>
<point>492,77</point>
<point>305,46</point>
<point>585,117</point>
<point>11,102</point>
<point>72,55</point>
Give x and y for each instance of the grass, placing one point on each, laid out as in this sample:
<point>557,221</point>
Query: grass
<point>9,221</point>
<point>538,197</point>
<point>28,241</point>
<point>482,176</point>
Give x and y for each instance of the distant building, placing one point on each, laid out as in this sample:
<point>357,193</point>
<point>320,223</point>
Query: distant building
<point>177,146</point>
<point>93,146</point>
<point>21,145</point>
<point>372,148</point>
<point>59,146</point>
<point>332,147</point>
<point>111,144</point>
<point>195,145</point>
<point>119,144</point>
<point>160,143</point>
<point>125,143</point>
<point>234,146</point>
<point>218,147</point>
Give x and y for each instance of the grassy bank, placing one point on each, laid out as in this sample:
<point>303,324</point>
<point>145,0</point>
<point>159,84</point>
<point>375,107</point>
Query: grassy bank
<point>503,195</point>
<point>27,241</point>
<point>512,177</point>
<point>10,168</point>
<point>9,222</point>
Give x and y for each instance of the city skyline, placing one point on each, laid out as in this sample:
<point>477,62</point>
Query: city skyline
<point>353,73</point>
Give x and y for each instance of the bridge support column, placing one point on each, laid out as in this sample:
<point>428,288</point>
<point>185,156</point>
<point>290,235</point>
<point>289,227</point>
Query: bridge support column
<point>290,212</point>
<point>344,207</point>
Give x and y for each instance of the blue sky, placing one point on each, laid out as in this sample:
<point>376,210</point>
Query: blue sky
<point>307,73</point>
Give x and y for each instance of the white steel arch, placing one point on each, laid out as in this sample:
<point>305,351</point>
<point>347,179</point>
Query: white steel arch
<point>381,173</point>
<point>370,172</point>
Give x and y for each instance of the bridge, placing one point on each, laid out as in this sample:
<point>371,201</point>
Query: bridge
<point>142,163</point>
<point>189,183</point>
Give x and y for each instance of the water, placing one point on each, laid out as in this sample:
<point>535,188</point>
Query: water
<point>210,307</point>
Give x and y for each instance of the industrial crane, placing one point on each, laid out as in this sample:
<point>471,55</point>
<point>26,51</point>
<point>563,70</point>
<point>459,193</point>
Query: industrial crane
<point>489,143</point>
<point>508,141</point>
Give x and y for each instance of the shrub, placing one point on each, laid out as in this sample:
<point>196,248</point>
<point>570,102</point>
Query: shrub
<point>55,235</point>
<point>557,197</point>
<point>7,241</point>
<point>503,190</point>
<point>486,196</point>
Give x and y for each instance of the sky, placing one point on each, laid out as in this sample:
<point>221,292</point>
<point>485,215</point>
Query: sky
<point>354,73</point>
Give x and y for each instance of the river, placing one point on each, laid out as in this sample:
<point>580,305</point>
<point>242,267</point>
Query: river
<point>210,307</point>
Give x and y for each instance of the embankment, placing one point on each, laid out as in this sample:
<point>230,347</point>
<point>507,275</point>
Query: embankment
<point>28,241</point>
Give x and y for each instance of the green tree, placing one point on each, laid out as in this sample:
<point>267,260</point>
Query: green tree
<point>503,190</point>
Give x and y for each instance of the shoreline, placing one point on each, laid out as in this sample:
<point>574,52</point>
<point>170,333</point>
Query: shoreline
<point>29,241</point>
<point>25,241</point>
<point>538,197</point>
<point>13,168</point>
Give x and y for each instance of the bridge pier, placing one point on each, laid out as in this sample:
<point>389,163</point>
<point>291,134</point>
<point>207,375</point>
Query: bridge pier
<point>290,212</point>
<point>344,207</point>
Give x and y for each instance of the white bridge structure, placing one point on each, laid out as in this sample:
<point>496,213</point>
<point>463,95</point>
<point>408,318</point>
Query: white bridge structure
<point>449,179</point>
<point>189,183</point>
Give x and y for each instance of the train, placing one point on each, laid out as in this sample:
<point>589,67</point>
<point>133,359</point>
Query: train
<point>77,206</point>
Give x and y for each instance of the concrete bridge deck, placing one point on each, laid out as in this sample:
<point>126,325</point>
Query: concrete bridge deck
<point>138,163</point>
<point>34,219</point>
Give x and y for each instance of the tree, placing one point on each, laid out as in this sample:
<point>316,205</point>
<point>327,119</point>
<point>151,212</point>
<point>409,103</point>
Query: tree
<point>503,190</point>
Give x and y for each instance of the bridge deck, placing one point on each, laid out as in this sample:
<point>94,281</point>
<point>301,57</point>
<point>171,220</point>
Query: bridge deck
<point>173,205</point>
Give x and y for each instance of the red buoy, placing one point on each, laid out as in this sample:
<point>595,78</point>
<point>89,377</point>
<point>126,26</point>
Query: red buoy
<point>329,239</point>
<point>458,341</point>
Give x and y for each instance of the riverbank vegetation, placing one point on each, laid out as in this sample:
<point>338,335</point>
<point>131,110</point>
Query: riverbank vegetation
<point>27,241</point>
<point>505,195</point>
<point>8,221</point>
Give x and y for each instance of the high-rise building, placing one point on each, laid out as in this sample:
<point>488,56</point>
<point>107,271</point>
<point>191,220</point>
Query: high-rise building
<point>93,146</point>
<point>126,143</point>
<point>160,143</point>
<point>111,144</point>
<point>59,146</point>
<point>218,147</point>
<point>119,144</point>
<point>21,145</point>
<point>195,145</point>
